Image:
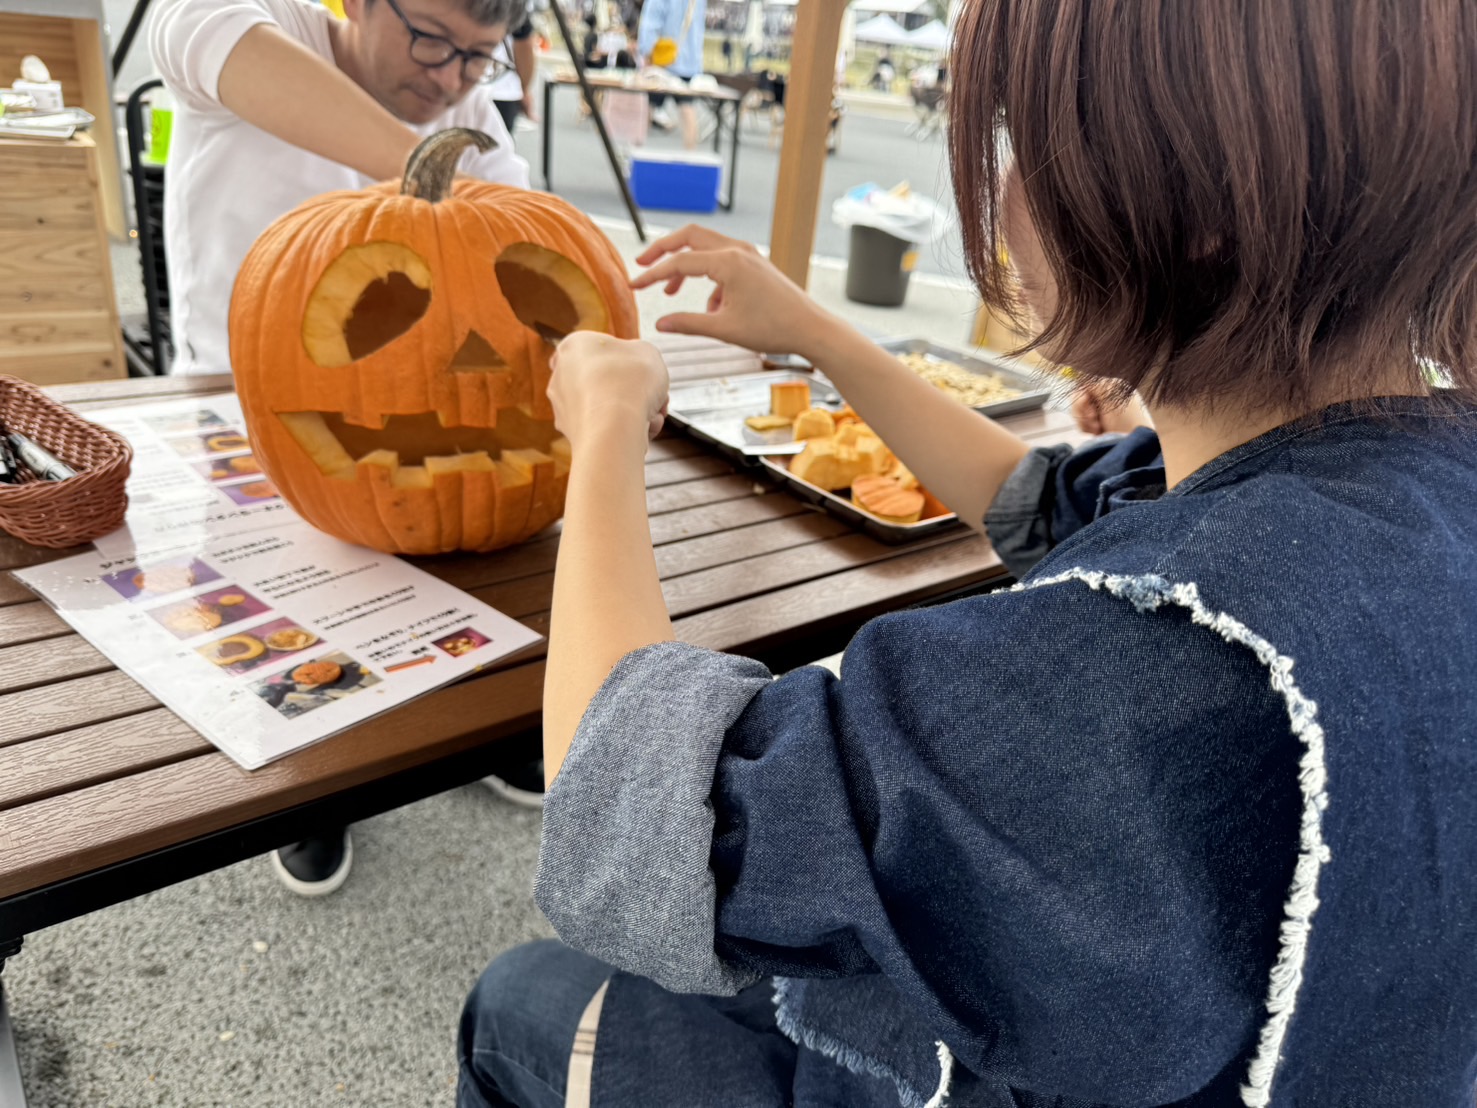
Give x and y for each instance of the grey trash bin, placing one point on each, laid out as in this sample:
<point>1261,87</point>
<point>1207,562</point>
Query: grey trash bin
<point>878,269</point>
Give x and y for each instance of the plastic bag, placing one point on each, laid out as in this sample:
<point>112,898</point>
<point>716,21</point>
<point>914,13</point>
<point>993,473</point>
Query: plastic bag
<point>627,116</point>
<point>899,211</point>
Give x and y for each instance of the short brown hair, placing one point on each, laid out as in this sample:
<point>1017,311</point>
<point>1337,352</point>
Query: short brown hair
<point>490,13</point>
<point>1261,200</point>
<point>511,13</point>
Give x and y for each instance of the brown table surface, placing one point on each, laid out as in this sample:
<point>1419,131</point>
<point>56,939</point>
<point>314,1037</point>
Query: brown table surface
<point>94,773</point>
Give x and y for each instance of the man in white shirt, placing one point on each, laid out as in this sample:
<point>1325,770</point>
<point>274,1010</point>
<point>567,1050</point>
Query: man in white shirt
<point>512,91</point>
<point>278,101</point>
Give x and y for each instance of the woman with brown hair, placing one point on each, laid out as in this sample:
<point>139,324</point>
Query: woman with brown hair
<point>1186,817</point>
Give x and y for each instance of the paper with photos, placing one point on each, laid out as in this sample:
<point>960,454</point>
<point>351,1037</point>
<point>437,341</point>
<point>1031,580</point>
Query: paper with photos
<point>261,632</point>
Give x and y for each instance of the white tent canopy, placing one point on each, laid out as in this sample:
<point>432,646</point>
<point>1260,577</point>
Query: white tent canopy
<point>754,27</point>
<point>933,35</point>
<point>888,7</point>
<point>883,29</point>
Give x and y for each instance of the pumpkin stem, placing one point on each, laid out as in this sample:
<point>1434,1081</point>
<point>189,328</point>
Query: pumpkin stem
<point>432,167</point>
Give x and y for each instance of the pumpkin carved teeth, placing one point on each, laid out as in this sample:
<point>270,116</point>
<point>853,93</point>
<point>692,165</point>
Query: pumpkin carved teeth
<point>424,441</point>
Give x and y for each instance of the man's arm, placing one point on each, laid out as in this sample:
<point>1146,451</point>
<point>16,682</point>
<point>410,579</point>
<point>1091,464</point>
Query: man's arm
<point>268,78</point>
<point>237,55</point>
<point>525,61</point>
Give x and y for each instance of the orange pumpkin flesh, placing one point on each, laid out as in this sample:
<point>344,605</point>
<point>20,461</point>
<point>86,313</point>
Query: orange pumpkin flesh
<point>391,350</point>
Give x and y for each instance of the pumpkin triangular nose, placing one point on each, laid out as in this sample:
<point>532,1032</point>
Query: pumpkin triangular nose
<point>477,356</point>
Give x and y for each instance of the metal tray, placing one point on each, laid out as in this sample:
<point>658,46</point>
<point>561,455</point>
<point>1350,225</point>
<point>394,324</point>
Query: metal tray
<point>777,470</point>
<point>714,411</point>
<point>1033,393</point>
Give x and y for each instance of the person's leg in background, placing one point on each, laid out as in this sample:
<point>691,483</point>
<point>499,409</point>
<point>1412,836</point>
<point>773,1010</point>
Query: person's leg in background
<point>509,110</point>
<point>661,119</point>
<point>687,113</point>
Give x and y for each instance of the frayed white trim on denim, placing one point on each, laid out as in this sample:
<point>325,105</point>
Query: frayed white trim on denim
<point>1152,591</point>
<point>946,1073</point>
<point>850,1058</point>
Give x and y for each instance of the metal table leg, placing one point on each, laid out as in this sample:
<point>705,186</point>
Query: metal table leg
<point>12,1091</point>
<point>548,130</point>
<point>732,156</point>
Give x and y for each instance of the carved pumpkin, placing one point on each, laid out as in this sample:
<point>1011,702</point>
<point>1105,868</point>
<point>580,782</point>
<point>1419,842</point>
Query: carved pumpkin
<point>391,350</point>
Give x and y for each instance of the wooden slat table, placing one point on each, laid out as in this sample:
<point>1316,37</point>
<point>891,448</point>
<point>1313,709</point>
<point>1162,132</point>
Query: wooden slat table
<point>105,795</point>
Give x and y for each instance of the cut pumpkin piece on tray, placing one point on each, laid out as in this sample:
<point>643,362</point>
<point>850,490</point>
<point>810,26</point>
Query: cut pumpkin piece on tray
<point>789,398</point>
<point>886,499</point>
<point>831,464</point>
<point>814,423</point>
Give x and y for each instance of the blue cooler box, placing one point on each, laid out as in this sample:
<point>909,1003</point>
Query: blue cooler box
<point>685,181</point>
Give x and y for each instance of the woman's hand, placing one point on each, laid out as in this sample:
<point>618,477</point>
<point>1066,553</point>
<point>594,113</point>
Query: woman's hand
<point>601,383</point>
<point>754,305</point>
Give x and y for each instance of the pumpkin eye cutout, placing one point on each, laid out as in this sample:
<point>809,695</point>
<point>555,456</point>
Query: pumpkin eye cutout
<point>368,296</point>
<point>548,292</point>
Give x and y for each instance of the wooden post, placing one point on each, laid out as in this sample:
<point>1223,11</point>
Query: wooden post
<point>807,116</point>
<point>93,72</point>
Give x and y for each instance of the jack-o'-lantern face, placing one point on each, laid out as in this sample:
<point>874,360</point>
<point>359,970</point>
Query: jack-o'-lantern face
<point>391,350</point>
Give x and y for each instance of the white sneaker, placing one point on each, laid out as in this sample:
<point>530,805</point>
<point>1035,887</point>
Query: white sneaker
<point>317,866</point>
<point>523,786</point>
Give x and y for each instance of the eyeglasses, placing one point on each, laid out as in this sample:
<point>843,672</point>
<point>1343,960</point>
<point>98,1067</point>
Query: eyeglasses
<point>434,51</point>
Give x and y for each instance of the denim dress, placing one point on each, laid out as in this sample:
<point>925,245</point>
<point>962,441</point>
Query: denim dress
<point>1186,817</point>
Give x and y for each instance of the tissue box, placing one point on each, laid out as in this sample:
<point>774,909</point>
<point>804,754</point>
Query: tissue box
<point>682,182</point>
<point>47,94</point>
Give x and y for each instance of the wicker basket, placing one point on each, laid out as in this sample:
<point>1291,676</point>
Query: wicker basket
<point>81,508</point>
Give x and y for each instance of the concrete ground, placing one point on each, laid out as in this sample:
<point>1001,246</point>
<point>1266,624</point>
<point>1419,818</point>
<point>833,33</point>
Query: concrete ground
<point>229,990</point>
<point>941,308</point>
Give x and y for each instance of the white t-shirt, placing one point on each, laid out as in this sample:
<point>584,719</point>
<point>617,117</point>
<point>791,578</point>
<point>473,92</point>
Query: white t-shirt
<point>228,180</point>
<point>509,86</point>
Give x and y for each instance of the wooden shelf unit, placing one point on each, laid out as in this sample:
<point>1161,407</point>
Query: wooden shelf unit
<point>73,47</point>
<point>58,314</point>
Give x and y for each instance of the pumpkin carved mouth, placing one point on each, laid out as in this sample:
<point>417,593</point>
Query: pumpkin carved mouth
<point>413,450</point>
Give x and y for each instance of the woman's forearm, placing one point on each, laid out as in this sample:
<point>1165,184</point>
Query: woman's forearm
<point>957,454</point>
<point>288,91</point>
<point>607,595</point>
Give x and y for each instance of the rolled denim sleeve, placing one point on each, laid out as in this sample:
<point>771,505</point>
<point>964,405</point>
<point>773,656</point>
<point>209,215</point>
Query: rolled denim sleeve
<point>1055,491</point>
<point>628,824</point>
<point>1019,530</point>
